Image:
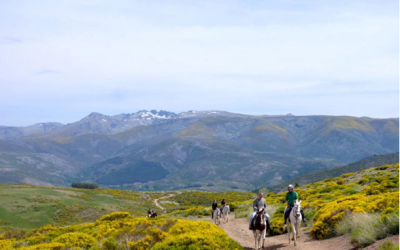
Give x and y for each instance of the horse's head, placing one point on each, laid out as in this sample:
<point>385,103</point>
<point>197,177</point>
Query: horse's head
<point>261,215</point>
<point>259,221</point>
<point>296,209</point>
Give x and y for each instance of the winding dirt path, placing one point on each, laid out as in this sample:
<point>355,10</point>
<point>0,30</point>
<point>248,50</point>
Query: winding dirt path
<point>164,197</point>
<point>238,230</point>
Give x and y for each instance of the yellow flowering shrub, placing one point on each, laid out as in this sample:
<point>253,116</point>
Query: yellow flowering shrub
<point>191,235</point>
<point>368,191</point>
<point>76,240</point>
<point>46,246</point>
<point>6,244</point>
<point>115,216</point>
<point>122,231</point>
<point>329,215</point>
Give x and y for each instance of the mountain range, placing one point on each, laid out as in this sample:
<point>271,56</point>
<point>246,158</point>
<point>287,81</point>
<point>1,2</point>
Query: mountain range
<point>212,150</point>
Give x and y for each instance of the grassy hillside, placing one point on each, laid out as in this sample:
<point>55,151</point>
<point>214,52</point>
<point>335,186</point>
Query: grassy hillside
<point>334,206</point>
<point>318,175</point>
<point>66,218</point>
<point>331,203</point>
<point>28,207</point>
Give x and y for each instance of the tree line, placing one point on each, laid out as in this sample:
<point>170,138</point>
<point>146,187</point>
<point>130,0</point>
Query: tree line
<point>85,185</point>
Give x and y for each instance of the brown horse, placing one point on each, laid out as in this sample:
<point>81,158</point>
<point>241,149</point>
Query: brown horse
<point>154,214</point>
<point>259,228</point>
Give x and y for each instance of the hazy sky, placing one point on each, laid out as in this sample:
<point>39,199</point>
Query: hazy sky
<point>61,60</point>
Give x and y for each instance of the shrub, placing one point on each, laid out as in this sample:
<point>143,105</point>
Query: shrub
<point>48,246</point>
<point>365,229</point>
<point>277,221</point>
<point>110,244</point>
<point>387,246</point>
<point>115,216</point>
<point>76,240</point>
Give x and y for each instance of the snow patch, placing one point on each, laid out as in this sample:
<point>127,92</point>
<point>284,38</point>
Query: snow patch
<point>148,115</point>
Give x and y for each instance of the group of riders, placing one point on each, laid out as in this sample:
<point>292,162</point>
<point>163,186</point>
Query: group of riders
<point>214,206</point>
<point>259,203</point>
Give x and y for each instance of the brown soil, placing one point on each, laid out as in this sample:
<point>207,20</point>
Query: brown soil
<point>238,230</point>
<point>158,204</point>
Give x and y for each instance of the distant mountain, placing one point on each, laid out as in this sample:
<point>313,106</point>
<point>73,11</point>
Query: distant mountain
<point>318,175</point>
<point>211,149</point>
<point>19,132</point>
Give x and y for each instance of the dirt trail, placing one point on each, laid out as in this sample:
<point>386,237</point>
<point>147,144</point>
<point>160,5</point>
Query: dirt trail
<point>238,230</point>
<point>164,197</point>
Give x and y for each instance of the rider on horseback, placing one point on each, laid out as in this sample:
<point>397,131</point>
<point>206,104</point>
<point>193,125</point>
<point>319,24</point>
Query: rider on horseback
<point>259,203</point>
<point>223,203</point>
<point>291,198</point>
<point>214,206</point>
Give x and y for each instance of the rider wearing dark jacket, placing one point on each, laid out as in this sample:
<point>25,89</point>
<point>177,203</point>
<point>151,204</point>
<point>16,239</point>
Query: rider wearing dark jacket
<point>214,206</point>
<point>223,203</point>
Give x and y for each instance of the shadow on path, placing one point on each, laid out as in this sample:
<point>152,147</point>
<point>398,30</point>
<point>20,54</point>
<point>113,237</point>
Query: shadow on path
<point>273,247</point>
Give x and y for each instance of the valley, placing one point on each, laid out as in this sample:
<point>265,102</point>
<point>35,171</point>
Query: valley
<point>205,150</point>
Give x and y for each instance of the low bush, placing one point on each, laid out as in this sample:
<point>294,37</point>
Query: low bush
<point>365,229</point>
<point>388,246</point>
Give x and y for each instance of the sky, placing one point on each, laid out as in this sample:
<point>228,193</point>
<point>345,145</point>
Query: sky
<point>62,60</point>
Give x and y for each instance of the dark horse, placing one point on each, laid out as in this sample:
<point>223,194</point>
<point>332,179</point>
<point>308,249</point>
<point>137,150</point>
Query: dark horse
<point>259,228</point>
<point>152,215</point>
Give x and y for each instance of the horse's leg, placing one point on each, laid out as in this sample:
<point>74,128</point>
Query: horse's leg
<point>255,239</point>
<point>294,233</point>
<point>298,226</point>
<point>263,238</point>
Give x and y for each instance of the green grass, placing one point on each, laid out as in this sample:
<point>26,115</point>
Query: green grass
<point>32,207</point>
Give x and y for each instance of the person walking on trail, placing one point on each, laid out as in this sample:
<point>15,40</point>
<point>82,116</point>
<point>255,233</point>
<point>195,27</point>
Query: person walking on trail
<point>291,198</point>
<point>259,203</point>
<point>214,206</point>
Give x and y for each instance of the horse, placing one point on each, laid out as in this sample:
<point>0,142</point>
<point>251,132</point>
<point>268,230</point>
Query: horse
<point>295,219</point>
<point>154,214</point>
<point>259,223</point>
<point>225,213</point>
<point>217,216</point>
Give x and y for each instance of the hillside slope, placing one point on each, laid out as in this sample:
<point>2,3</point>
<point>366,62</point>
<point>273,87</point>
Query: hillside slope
<point>319,175</point>
<point>211,150</point>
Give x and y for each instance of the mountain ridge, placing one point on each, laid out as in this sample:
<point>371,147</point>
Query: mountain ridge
<point>210,147</point>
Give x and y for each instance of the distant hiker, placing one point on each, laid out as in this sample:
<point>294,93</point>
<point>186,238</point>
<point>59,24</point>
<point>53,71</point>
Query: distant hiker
<point>214,206</point>
<point>223,203</point>
<point>259,203</point>
<point>291,198</point>
<point>149,212</point>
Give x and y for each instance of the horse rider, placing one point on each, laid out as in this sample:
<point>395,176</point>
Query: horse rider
<point>223,203</point>
<point>291,198</point>
<point>214,206</point>
<point>258,204</point>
